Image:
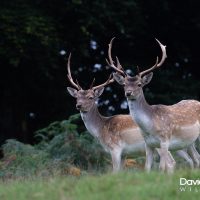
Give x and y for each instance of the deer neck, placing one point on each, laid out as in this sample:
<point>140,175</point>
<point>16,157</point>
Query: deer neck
<point>141,112</point>
<point>93,121</point>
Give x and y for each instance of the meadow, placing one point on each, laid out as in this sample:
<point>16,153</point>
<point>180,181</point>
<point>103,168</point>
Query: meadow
<point>122,186</point>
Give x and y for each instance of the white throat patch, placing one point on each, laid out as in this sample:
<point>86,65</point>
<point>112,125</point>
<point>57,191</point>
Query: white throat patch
<point>139,116</point>
<point>90,126</point>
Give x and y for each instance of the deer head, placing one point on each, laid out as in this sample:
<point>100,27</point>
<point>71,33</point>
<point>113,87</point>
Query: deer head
<point>133,85</point>
<point>85,99</point>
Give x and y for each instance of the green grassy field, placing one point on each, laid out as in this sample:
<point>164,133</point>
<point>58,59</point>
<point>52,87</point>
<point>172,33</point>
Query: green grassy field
<point>122,186</point>
<point>44,171</point>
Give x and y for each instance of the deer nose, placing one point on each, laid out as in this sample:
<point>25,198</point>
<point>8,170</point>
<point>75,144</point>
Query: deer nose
<point>78,106</point>
<point>128,93</point>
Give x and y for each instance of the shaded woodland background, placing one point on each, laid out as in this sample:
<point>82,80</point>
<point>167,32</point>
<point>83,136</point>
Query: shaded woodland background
<point>37,36</point>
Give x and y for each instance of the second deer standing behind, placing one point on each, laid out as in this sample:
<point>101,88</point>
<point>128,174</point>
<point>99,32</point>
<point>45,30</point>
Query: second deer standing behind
<point>117,133</point>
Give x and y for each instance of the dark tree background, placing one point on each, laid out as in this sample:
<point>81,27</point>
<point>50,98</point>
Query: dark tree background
<point>37,36</point>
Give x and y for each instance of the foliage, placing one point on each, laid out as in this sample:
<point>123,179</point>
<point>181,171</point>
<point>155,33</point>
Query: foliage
<point>140,186</point>
<point>22,160</point>
<point>60,147</point>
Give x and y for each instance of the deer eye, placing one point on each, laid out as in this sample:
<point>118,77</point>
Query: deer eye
<point>90,98</point>
<point>139,84</point>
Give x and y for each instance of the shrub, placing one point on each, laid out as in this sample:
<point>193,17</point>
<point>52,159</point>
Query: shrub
<point>60,146</point>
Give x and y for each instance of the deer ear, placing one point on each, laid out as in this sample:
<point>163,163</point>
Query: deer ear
<point>98,92</point>
<point>147,78</point>
<point>119,78</point>
<point>72,91</point>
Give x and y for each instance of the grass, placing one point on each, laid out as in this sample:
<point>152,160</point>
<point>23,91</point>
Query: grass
<point>122,186</point>
<point>68,165</point>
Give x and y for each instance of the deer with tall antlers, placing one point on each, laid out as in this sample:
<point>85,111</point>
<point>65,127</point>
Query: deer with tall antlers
<point>117,133</point>
<point>165,127</point>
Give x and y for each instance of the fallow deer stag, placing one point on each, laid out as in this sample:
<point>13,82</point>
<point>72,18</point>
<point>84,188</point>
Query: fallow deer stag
<point>116,133</point>
<point>166,127</point>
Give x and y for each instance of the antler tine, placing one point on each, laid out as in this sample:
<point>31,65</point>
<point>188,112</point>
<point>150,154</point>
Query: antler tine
<point>118,64</point>
<point>92,83</point>
<point>164,53</point>
<point>157,64</point>
<point>78,84</point>
<point>150,69</point>
<point>138,69</point>
<point>69,75</point>
<point>110,80</point>
<point>117,68</point>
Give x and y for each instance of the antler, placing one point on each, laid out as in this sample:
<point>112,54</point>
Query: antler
<point>164,56</point>
<point>91,86</point>
<point>110,80</point>
<point>117,68</point>
<point>69,75</point>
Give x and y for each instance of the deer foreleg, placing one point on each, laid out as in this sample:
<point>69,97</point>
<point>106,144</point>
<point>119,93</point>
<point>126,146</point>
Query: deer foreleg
<point>149,158</point>
<point>171,163</point>
<point>116,159</point>
<point>167,162</point>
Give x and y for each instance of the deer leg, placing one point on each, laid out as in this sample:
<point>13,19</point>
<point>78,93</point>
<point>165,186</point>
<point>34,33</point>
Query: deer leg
<point>183,154</point>
<point>149,158</point>
<point>171,163</point>
<point>195,155</point>
<point>167,162</point>
<point>116,159</point>
<point>163,156</point>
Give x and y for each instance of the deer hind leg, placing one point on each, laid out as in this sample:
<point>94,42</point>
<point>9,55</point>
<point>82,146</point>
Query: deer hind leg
<point>195,155</point>
<point>167,162</point>
<point>183,154</point>
<point>149,158</point>
<point>116,159</point>
<point>197,142</point>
